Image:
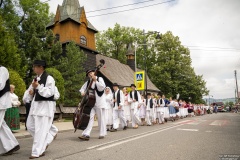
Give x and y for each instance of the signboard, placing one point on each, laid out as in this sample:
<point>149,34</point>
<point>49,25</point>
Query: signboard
<point>139,79</point>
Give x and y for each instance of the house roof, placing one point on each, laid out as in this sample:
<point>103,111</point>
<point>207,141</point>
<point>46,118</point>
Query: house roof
<point>120,73</point>
<point>71,10</point>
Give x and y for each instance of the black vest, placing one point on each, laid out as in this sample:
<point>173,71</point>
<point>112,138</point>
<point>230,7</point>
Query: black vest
<point>161,101</point>
<point>6,88</point>
<point>118,97</point>
<point>135,95</point>
<point>151,103</point>
<point>99,93</point>
<point>43,80</point>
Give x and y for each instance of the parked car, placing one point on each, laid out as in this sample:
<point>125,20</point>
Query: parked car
<point>220,106</point>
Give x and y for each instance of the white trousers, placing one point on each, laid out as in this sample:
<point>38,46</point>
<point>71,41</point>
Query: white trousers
<point>101,122</point>
<point>135,116</point>
<point>149,116</point>
<point>39,128</point>
<point>118,114</point>
<point>160,117</point>
<point>7,139</point>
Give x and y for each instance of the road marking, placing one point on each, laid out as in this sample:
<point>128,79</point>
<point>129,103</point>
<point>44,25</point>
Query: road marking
<point>197,122</point>
<point>193,130</point>
<point>219,123</point>
<point>208,131</point>
<point>184,122</point>
<point>135,138</point>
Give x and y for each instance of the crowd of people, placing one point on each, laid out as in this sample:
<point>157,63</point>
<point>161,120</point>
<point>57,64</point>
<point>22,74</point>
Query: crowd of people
<point>115,109</point>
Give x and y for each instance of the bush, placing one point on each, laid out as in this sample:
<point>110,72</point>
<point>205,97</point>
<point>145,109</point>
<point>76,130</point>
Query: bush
<point>18,82</point>
<point>59,82</point>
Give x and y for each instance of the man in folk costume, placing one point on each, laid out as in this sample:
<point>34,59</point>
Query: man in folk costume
<point>118,110</point>
<point>160,109</point>
<point>41,114</point>
<point>99,108</point>
<point>8,143</point>
<point>134,98</point>
<point>149,110</point>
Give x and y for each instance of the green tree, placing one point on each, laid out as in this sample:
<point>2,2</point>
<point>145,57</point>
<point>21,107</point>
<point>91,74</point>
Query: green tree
<point>71,68</point>
<point>113,42</point>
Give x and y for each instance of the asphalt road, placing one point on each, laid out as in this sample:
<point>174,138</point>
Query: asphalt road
<point>205,137</point>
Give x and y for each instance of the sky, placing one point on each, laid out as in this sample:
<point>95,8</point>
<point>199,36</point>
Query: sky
<point>209,28</point>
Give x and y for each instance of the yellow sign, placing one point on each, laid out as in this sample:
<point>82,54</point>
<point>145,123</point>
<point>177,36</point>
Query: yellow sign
<point>139,79</point>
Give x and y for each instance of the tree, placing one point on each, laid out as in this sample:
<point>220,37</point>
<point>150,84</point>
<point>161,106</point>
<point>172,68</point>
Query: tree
<point>113,42</point>
<point>8,49</point>
<point>71,68</point>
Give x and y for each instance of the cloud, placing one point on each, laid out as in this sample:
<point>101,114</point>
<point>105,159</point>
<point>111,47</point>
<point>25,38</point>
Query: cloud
<point>201,23</point>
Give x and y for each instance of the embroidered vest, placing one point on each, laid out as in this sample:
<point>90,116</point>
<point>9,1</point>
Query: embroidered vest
<point>135,95</point>
<point>99,93</point>
<point>118,97</point>
<point>151,103</point>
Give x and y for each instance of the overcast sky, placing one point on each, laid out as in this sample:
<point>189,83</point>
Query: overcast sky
<point>209,28</point>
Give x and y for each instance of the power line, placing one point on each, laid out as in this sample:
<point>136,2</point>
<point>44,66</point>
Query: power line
<point>120,6</point>
<point>130,9</point>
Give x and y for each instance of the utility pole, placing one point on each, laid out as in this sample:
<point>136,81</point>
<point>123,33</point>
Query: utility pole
<point>235,72</point>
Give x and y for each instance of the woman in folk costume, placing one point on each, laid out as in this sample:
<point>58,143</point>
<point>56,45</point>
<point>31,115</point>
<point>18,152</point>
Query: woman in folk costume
<point>134,99</point>
<point>160,109</point>
<point>166,110</point>
<point>127,108</point>
<point>118,110</point>
<point>172,111</point>
<point>109,108</point>
<point>154,108</point>
<point>12,117</point>
<point>176,106</point>
<point>142,110</point>
<point>185,106</point>
<point>8,143</point>
<point>181,109</point>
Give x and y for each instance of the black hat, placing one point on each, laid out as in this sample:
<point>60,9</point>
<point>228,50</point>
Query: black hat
<point>133,85</point>
<point>88,71</point>
<point>115,84</point>
<point>40,63</point>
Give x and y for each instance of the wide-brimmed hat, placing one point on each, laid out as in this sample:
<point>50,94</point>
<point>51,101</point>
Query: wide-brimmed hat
<point>115,84</point>
<point>40,63</point>
<point>132,85</point>
<point>88,71</point>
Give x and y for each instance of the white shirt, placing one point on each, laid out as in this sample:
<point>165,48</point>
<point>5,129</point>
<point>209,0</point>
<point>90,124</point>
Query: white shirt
<point>14,100</point>
<point>43,108</point>
<point>100,101</point>
<point>121,100</point>
<point>109,98</point>
<point>5,100</point>
<point>130,100</point>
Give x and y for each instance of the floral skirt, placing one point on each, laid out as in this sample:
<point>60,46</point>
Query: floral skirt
<point>12,118</point>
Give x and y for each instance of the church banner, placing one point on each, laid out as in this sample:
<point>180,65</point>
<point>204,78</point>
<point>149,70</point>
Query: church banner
<point>139,79</point>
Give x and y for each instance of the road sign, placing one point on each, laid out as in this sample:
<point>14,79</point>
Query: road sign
<point>139,80</point>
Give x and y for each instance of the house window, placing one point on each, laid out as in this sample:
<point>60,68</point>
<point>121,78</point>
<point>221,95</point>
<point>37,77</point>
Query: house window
<point>57,37</point>
<point>83,40</point>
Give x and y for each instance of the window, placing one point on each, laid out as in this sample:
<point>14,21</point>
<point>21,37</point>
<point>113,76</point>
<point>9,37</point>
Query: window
<point>83,40</point>
<point>57,37</point>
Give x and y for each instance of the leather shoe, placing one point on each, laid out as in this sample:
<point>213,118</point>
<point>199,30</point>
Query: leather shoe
<point>33,157</point>
<point>113,130</point>
<point>100,137</point>
<point>84,138</point>
<point>125,128</point>
<point>16,148</point>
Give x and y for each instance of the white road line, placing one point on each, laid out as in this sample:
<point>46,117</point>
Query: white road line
<point>138,137</point>
<point>193,130</point>
<point>183,122</point>
<point>217,123</point>
<point>96,146</point>
<point>197,122</point>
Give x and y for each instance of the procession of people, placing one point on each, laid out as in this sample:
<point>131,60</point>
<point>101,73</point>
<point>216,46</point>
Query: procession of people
<point>115,109</point>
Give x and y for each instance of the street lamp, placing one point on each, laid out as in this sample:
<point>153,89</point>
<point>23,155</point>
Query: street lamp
<point>209,99</point>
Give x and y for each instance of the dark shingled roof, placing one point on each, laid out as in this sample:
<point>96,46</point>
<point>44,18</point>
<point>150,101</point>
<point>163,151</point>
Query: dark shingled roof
<point>71,10</point>
<point>120,73</point>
